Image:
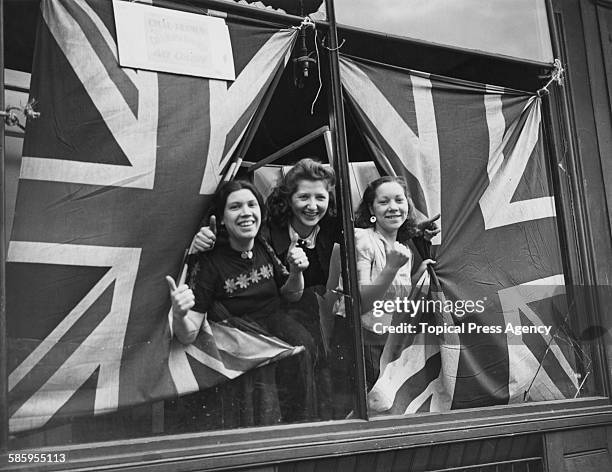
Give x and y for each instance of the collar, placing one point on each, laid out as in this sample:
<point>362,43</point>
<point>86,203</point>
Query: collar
<point>310,241</point>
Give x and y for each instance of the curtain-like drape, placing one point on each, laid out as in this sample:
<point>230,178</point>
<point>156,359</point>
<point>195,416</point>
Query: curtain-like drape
<point>116,175</point>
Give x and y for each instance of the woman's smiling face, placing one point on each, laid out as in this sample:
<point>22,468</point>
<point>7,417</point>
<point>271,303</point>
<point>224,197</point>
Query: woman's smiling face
<point>242,215</point>
<point>309,204</point>
<point>390,207</point>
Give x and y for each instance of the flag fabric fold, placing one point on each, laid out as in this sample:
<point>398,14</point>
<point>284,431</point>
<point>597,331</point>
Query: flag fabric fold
<point>475,154</point>
<point>116,175</point>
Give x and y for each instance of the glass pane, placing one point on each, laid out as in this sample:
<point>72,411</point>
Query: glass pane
<point>515,28</point>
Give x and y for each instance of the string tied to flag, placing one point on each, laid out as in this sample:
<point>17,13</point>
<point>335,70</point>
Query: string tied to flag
<point>556,75</point>
<point>12,119</point>
<point>306,23</point>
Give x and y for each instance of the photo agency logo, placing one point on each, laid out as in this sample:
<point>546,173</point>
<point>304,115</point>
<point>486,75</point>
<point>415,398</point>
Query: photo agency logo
<point>570,313</point>
<point>411,307</point>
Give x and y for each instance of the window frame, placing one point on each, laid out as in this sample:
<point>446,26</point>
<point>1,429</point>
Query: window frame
<point>286,443</point>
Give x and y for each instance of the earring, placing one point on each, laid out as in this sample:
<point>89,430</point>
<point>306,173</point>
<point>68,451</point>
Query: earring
<point>372,219</point>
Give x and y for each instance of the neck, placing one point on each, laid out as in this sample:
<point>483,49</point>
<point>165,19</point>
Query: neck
<point>301,229</point>
<point>389,236</point>
<point>241,244</point>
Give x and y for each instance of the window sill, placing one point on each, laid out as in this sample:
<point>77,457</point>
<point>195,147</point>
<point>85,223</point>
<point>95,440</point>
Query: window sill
<point>261,446</point>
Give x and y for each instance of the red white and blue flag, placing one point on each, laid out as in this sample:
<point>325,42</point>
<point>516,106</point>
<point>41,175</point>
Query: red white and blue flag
<point>115,178</point>
<point>475,154</point>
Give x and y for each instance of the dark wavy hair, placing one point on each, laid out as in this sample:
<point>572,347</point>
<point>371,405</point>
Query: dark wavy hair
<point>279,201</point>
<point>408,230</point>
<point>220,197</point>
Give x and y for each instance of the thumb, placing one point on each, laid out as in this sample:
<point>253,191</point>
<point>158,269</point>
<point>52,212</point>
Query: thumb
<point>171,283</point>
<point>212,224</point>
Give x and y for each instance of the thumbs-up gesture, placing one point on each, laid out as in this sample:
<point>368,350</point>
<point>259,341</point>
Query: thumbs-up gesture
<point>182,297</point>
<point>428,228</point>
<point>206,237</point>
<point>397,255</point>
<point>296,257</point>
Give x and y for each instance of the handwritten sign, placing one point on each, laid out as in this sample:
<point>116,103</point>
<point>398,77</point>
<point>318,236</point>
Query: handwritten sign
<point>172,41</point>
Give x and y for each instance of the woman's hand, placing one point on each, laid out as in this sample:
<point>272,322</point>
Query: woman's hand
<point>423,266</point>
<point>296,257</point>
<point>298,263</point>
<point>397,255</point>
<point>182,297</point>
<point>298,260</point>
<point>206,237</point>
<point>428,228</point>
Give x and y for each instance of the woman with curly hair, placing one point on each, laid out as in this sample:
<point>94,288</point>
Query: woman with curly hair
<point>304,203</point>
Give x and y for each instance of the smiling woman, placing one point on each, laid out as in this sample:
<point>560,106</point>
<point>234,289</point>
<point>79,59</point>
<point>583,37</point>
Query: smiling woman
<point>386,222</point>
<point>242,278</point>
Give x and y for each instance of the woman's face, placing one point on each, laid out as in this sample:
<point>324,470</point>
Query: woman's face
<point>309,203</point>
<point>390,207</point>
<point>242,215</point>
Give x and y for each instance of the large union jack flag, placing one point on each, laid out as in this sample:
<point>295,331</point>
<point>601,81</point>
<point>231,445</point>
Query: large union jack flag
<point>115,177</point>
<point>475,154</point>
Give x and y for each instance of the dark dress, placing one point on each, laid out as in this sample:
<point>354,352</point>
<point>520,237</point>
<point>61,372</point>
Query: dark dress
<point>306,310</point>
<point>247,289</point>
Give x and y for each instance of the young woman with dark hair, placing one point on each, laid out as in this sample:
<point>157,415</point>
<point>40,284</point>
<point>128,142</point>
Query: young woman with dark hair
<point>385,223</point>
<point>242,277</point>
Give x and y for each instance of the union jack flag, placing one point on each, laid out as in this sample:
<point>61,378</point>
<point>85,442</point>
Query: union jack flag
<point>115,177</point>
<point>475,154</point>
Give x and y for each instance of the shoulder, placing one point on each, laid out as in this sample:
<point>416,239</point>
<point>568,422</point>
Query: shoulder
<point>211,260</point>
<point>364,242</point>
<point>202,269</point>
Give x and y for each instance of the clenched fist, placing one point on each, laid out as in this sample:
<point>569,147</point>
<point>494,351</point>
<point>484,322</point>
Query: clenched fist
<point>397,255</point>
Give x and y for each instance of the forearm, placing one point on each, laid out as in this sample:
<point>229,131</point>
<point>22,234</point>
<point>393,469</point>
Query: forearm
<point>186,328</point>
<point>293,288</point>
<point>370,291</point>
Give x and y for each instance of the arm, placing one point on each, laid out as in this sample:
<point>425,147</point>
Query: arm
<point>372,290</point>
<point>293,288</point>
<point>187,327</point>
